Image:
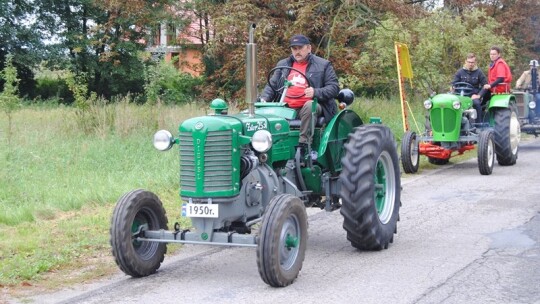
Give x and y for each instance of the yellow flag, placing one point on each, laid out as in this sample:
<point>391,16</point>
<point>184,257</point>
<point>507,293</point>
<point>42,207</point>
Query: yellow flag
<point>404,60</point>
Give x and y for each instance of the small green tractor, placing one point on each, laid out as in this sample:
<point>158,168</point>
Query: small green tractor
<point>451,129</point>
<point>244,182</point>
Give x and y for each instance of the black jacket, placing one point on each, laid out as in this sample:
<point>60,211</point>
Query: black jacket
<point>475,77</point>
<point>321,76</point>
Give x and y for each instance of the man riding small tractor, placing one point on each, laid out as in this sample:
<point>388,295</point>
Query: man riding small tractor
<point>451,129</point>
<point>243,182</point>
<point>527,94</point>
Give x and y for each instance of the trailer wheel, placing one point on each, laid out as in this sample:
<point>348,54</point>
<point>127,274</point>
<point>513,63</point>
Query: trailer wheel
<point>507,135</point>
<point>137,211</point>
<point>410,157</point>
<point>282,240</point>
<point>486,152</point>
<point>371,187</point>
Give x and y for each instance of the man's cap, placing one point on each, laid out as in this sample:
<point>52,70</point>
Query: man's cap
<point>299,40</point>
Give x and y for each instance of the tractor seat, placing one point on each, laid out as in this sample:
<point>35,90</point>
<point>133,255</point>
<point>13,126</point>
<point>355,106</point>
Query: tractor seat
<point>295,123</point>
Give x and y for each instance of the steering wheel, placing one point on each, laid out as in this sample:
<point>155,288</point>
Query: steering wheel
<point>282,79</point>
<point>464,87</point>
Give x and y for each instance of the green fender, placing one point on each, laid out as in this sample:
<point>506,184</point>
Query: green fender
<point>335,134</point>
<point>501,101</point>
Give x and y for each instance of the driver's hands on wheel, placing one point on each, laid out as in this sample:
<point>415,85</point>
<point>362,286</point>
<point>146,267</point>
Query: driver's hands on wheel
<point>310,92</point>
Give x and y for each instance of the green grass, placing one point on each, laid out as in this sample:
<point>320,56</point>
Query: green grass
<point>59,185</point>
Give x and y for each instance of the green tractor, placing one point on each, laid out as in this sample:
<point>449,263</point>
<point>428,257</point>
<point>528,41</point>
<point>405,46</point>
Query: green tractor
<point>244,183</point>
<point>451,129</point>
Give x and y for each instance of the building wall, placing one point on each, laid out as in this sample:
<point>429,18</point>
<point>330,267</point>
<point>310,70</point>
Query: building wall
<point>188,60</point>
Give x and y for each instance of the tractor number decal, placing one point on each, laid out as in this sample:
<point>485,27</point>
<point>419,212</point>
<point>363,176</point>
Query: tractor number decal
<point>255,126</point>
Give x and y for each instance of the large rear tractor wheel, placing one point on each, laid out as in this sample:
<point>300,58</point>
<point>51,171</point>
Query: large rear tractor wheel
<point>282,240</point>
<point>134,213</point>
<point>507,135</point>
<point>486,152</point>
<point>410,157</point>
<point>371,188</point>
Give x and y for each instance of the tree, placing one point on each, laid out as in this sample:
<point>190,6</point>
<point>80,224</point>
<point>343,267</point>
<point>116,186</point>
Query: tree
<point>337,34</point>
<point>20,37</point>
<point>9,101</point>
<point>437,50</point>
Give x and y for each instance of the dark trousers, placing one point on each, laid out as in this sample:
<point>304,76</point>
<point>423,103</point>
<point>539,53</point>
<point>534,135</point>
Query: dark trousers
<point>485,96</point>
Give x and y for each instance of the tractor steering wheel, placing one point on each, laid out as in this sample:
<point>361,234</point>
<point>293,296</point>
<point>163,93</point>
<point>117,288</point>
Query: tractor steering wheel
<point>282,79</point>
<point>464,88</point>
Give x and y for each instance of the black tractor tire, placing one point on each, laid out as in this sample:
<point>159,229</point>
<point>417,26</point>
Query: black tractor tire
<point>507,135</point>
<point>282,240</point>
<point>370,187</point>
<point>486,152</point>
<point>410,157</point>
<point>135,210</point>
<point>438,161</point>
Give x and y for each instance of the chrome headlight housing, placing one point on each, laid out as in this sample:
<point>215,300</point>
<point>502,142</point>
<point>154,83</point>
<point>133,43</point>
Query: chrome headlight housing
<point>163,140</point>
<point>428,104</point>
<point>456,105</point>
<point>261,141</point>
<point>532,105</point>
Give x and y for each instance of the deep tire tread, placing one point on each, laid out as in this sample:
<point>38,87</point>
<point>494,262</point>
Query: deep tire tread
<point>361,221</point>
<point>125,255</point>
<point>503,148</point>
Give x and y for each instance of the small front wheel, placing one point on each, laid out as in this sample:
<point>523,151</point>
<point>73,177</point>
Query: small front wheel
<point>135,212</point>
<point>486,152</point>
<point>410,157</point>
<point>282,240</point>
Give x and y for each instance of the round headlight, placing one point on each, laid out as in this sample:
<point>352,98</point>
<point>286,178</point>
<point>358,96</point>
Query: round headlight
<point>532,104</point>
<point>261,141</point>
<point>428,104</point>
<point>163,140</point>
<point>456,104</point>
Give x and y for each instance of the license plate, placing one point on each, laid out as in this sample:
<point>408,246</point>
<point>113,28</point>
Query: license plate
<point>200,210</point>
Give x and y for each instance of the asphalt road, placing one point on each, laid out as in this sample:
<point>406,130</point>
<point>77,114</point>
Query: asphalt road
<point>462,238</point>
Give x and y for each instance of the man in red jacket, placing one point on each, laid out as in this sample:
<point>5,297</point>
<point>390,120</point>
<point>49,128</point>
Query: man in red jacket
<point>499,75</point>
<point>499,78</point>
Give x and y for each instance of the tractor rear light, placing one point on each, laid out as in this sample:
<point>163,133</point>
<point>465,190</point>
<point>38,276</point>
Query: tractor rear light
<point>163,140</point>
<point>456,104</point>
<point>428,104</point>
<point>532,105</point>
<point>261,141</point>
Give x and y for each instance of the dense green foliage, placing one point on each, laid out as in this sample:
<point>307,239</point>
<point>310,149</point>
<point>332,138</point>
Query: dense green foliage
<point>165,83</point>
<point>103,39</point>
<point>437,50</point>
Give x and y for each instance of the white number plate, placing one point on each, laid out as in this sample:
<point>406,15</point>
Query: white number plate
<point>200,210</point>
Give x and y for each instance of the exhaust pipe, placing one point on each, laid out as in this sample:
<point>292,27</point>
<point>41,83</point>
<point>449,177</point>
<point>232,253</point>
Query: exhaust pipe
<point>251,71</point>
<point>534,77</point>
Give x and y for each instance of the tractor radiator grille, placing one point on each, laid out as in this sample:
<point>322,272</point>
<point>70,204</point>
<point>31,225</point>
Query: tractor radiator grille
<point>443,120</point>
<point>211,164</point>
